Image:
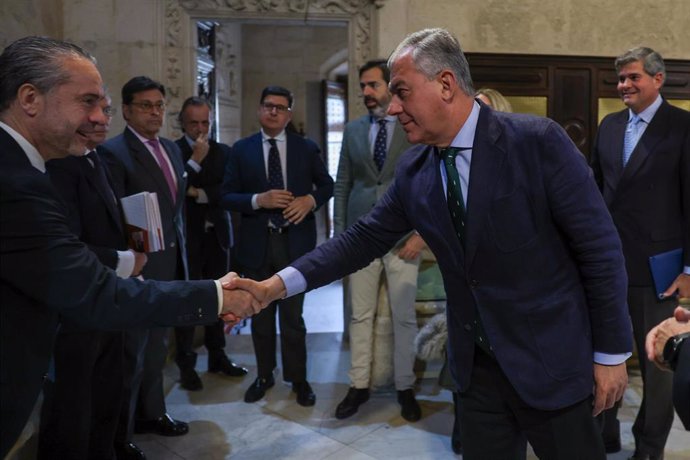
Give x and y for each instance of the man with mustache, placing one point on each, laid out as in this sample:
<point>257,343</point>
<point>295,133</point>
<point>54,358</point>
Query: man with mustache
<point>371,147</point>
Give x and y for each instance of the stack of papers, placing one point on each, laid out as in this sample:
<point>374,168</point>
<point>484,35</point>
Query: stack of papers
<point>143,217</point>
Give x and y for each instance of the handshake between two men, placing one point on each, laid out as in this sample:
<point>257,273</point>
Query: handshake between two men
<point>243,297</point>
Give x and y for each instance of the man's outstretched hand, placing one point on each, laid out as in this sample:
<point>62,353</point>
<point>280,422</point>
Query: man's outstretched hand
<point>243,297</point>
<point>237,304</point>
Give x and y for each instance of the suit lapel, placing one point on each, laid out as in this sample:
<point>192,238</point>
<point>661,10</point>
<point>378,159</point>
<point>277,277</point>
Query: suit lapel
<point>361,145</point>
<point>645,146</point>
<point>614,144</point>
<point>487,162</point>
<point>398,145</point>
<point>438,204</point>
<point>178,168</point>
<point>142,155</point>
<point>105,191</point>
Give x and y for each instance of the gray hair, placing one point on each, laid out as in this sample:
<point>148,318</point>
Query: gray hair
<point>652,62</point>
<point>434,50</point>
<point>37,61</point>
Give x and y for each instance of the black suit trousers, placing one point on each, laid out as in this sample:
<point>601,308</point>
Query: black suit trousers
<point>495,421</point>
<point>81,408</point>
<point>293,332</point>
<point>207,260</point>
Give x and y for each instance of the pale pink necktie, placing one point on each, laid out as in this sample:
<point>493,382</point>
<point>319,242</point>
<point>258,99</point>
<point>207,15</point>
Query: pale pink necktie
<point>164,167</point>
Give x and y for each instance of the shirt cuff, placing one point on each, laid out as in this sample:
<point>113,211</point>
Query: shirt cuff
<point>607,359</point>
<point>255,205</point>
<point>202,198</point>
<point>686,270</point>
<point>194,165</point>
<point>313,202</point>
<point>219,292</point>
<point>293,280</point>
<point>125,264</point>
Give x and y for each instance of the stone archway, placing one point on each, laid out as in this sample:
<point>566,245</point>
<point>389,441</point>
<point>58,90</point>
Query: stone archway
<point>179,33</point>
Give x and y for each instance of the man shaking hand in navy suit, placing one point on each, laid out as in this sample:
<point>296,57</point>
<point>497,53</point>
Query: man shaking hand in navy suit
<point>538,331</point>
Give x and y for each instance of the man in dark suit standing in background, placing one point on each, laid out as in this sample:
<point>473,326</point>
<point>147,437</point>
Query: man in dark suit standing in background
<point>276,180</point>
<point>50,91</point>
<point>641,161</point>
<point>209,234</point>
<point>141,161</point>
<point>531,261</point>
<point>82,404</point>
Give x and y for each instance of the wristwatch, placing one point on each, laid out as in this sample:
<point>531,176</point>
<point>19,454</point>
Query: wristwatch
<point>672,349</point>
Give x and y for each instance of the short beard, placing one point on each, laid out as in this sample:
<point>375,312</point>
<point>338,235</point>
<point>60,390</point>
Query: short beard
<point>377,112</point>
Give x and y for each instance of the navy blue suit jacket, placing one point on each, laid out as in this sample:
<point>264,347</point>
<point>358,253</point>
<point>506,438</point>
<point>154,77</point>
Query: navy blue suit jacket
<point>245,175</point>
<point>649,199</point>
<point>541,261</point>
<point>134,170</point>
<point>45,271</point>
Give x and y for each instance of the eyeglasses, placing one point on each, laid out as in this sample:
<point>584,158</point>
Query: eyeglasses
<point>148,107</point>
<point>268,107</point>
<point>109,111</point>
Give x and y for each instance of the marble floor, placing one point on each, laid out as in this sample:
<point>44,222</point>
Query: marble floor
<point>223,426</point>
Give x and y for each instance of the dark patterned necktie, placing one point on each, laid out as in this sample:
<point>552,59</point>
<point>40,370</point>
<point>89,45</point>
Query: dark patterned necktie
<point>456,206</point>
<point>275,181</point>
<point>381,144</point>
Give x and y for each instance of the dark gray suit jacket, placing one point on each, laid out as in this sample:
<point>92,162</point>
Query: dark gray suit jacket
<point>133,170</point>
<point>359,183</point>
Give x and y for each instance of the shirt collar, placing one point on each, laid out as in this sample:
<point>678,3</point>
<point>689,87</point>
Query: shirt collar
<point>465,138</point>
<point>388,118</point>
<point>190,141</point>
<point>280,137</point>
<point>144,140</point>
<point>647,114</point>
<point>30,151</point>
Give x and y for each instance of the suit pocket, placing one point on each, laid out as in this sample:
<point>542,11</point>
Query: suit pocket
<point>562,338</point>
<point>512,221</point>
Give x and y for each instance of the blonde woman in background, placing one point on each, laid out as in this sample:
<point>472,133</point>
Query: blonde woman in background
<point>494,99</point>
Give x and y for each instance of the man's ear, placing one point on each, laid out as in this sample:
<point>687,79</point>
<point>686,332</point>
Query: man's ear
<point>30,99</point>
<point>449,84</point>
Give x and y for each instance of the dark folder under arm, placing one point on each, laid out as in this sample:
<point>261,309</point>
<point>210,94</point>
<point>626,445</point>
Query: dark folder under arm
<point>665,268</point>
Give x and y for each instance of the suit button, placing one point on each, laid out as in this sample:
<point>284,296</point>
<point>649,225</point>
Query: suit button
<point>379,183</point>
<point>172,245</point>
<point>474,283</point>
<point>468,327</point>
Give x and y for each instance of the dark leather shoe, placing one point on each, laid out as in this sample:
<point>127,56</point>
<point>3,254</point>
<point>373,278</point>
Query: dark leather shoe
<point>354,398</point>
<point>257,390</point>
<point>129,451</point>
<point>305,395</point>
<point>189,380</point>
<point>640,456</point>
<point>410,409</point>
<point>223,365</point>
<point>164,426</point>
